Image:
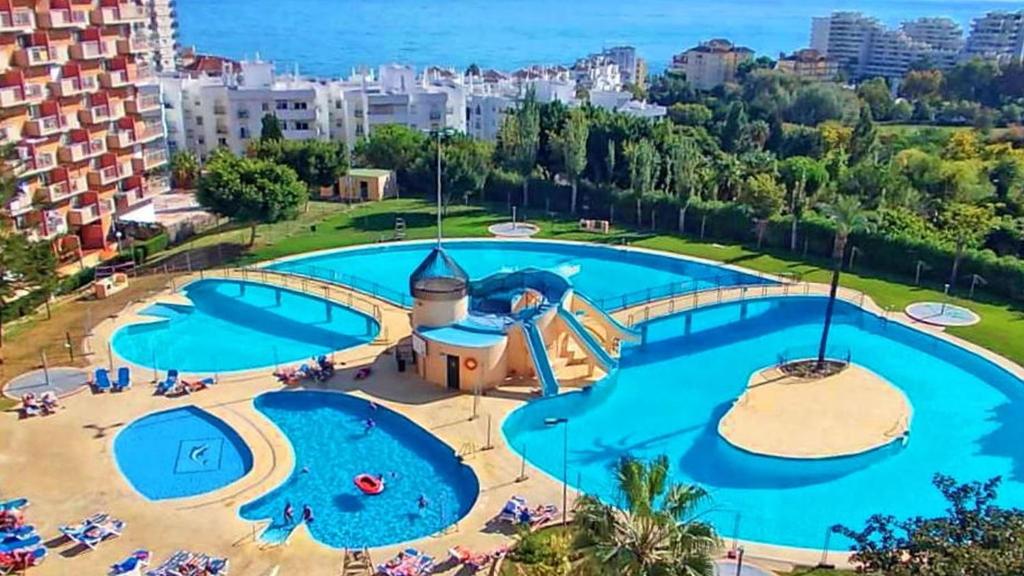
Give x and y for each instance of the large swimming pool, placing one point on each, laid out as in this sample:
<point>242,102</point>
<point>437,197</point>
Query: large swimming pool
<point>669,395</point>
<point>612,277</point>
<point>179,453</point>
<point>331,446</point>
<point>235,325</point>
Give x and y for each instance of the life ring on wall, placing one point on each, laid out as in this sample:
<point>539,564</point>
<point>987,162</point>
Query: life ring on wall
<point>470,364</point>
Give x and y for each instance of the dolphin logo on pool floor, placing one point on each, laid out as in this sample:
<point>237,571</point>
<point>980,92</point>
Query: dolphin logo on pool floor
<point>197,453</point>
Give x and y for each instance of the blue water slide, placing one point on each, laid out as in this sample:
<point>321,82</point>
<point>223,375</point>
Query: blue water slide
<point>541,362</point>
<point>589,341</point>
<point>627,334</point>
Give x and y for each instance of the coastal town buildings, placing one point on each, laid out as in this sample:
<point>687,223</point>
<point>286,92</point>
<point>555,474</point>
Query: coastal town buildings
<point>997,36</point>
<point>711,63</point>
<point>809,64</point>
<point>81,106</point>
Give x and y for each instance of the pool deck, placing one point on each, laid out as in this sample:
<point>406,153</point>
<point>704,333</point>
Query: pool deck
<point>785,416</point>
<point>64,462</point>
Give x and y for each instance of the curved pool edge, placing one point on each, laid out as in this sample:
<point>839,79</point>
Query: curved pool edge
<point>134,316</point>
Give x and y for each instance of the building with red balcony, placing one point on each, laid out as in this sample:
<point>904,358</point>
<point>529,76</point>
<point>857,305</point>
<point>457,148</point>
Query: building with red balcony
<point>78,98</point>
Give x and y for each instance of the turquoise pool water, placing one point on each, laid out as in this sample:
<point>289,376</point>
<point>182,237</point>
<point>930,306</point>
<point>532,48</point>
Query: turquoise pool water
<point>612,277</point>
<point>181,452</point>
<point>234,325</point>
<point>331,446</point>
<point>669,395</point>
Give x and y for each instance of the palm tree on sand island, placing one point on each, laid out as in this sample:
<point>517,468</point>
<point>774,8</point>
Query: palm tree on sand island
<point>654,531</point>
<point>848,216</point>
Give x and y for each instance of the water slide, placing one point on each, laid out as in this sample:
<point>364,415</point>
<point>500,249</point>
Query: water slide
<point>539,354</point>
<point>590,309</point>
<point>589,341</point>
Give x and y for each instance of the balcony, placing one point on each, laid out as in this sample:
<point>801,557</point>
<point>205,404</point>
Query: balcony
<point>19,205</point>
<point>32,163</point>
<point>65,18</point>
<point>306,114</point>
<point>91,50</point>
<point>136,44</point>
<point>109,175</point>
<point>121,139</point>
<point>150,160</point>
<point>158,185</point>
<point>143,104</point>
<point>60,191</point>
<point>89,213</point>
<point>21,95</point>
<point>100,114</point>
<point>114,79</point>
<point>123,14</point>
<point>125,199</point>
<point>35,56</point>
<point>53,224</point>
<point>48,126</point>
<point>80,151</point>
<point>17,21</point>
<point>148,132</point>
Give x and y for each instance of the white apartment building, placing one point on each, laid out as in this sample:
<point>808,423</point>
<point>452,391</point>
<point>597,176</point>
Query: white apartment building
<point>997,36</point>
<point>163,32</point>
<point>624,103</point>
<point>488,102</point>
<point>206,112</point>
<point>865,48</point>
<point>629,66</point>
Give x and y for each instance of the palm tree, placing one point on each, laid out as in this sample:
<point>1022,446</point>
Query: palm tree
<point>848,216</point>
<point>184,169</point>
<point>654,532</point>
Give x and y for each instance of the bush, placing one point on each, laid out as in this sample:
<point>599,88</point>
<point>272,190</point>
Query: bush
<point>141,251</point>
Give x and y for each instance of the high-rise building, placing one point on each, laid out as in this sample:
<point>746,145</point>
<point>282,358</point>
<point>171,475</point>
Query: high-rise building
<point>864,48</point>
<point>163,30</point>
<point>997,36</point>
<point>711,63</point>
<point>79,101</point>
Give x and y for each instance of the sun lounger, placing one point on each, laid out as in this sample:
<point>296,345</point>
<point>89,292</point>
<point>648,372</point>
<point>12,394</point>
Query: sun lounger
<point>134,563</point>
<point>14,504</point>
<point>169,384</point>
<point>15,543</point>
<point>50,402</point>
<point>16,532</point>
<point>30,406</point>
<point>101,383</point>
<point>538,516</point>
<point>196,386</point>
<point>124,379</point>
<point>475,561</point>
<point>91,531</point>
<point>20,560</point>
<point>512,509</point>
<point>170,566</point>
<point>217,567</point>
<point>406,563</point>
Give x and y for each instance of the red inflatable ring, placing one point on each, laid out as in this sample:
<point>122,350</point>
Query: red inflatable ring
<point>371,485</point>
<point>470,363</point>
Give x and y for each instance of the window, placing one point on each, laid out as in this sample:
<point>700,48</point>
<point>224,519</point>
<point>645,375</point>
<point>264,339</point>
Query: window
<point>243,133</point>
<point>302,125</point>
<point>266,107</point>
<point>281,105</point>
<point>199,120</point>
<point>222,141</point>
<point>299,106</point>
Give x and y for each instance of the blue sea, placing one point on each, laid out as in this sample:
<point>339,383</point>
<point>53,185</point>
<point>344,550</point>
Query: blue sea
<point>330,37</point>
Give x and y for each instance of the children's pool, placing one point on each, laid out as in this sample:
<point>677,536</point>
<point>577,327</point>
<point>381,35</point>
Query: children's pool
<point>331,446</point>
<point>670,394</point>
<point>612,277</point>
<point>181,452</point>
<point>237,325</point>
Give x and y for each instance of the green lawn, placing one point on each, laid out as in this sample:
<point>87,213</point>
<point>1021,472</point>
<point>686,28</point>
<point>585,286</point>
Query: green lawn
<point>1000,330</point>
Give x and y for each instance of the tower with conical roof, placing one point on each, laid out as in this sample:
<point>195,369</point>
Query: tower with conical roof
<point>440,290</point>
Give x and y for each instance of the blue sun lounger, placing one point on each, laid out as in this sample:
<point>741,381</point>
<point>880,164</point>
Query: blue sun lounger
<point>101,383</point>
<point>13,504</point>
<point>94,533</point>
<point>19,532</point>
<point>169,383</point>
<point>11,544</point>
<point>124,379</point>
<point>138,560</point>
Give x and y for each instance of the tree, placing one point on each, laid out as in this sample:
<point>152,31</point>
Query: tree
<point>518,141</point>
<point>847,217</point>
<point>465,164</point>
<point>922,84</point>
<point>974,536</point>
<point>393,147</point>
<point>803,177</point>
<point>690,114</point>
<point>735,129</point>
<point>14,258</point>
<point>865,136</point>
<point>39,271</point>
<point>250,190</point>
<point>270,128</point>
<point>643,165</point>
<point>815,103</point>
<point>965,226</point>
<point>763,196</point>
<point>184,169</point>
<point>876,95</point>
<point>654,531</point>
<point>316,162</point>
<point>1007,176</point>
<point>572,145</point>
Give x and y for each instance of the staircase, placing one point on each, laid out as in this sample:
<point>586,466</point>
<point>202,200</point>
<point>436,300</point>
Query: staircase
<point>399,229</point>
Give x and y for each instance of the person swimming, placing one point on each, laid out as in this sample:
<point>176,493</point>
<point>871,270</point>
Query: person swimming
<point>305,470</point>
<point>422,502</point>
<point>307,514</point>
<point>289,513</point>
<point>373,406</point>
<point>369,425</point>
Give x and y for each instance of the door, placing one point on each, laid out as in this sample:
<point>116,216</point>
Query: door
<point>364,190</point>
<point>453,372</point>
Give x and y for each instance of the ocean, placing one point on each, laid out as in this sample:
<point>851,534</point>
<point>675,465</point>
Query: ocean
<point>331,37</point>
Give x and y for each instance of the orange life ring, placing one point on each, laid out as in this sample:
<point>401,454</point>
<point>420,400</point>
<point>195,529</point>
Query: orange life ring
<point>470,363</point>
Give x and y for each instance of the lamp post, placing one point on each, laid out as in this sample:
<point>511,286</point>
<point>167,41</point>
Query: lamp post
<point>564,422</point>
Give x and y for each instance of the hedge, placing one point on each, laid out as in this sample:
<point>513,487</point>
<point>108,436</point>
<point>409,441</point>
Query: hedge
<point>141,251</point>
<point>30,302</point>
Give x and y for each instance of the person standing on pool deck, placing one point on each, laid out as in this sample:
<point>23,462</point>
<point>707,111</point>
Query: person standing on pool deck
<point>289,513</point>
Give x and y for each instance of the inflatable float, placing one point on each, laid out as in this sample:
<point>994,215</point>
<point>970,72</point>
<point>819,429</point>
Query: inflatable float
<point>371,485</point>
